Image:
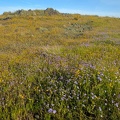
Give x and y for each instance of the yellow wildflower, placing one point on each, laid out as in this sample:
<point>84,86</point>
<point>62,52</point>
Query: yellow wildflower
<point>21,96</point>
<point>110,85</point>
<point>77,73</point>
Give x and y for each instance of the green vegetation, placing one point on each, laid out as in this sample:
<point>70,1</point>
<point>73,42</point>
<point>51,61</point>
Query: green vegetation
<point>59,66</point>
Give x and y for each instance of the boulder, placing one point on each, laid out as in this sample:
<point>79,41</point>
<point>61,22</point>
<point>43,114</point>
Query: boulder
<point>51,11</point>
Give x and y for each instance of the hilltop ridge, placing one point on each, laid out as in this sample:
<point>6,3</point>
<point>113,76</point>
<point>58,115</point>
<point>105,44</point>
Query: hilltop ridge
<point>48,11</point>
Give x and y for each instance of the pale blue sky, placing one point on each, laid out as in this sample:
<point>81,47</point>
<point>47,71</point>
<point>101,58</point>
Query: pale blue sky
<point>89,7</point>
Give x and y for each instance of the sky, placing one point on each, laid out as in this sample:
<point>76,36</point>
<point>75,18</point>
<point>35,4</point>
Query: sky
<point>85,7</point>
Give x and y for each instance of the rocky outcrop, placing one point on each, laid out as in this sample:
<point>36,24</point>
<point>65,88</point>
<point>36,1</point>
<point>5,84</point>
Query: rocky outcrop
<point>48,11</point>
<point>51,11</point>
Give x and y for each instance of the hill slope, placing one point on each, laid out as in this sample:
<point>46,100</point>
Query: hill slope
<point>59,66</point>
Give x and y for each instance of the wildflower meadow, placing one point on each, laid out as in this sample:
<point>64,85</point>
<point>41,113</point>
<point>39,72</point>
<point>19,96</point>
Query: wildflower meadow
<point>59,67</point>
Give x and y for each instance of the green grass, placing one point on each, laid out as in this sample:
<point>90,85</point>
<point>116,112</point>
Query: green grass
<point>45,75</point>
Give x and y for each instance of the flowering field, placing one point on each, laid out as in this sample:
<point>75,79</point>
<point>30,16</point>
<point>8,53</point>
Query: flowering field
<point>59,67</point>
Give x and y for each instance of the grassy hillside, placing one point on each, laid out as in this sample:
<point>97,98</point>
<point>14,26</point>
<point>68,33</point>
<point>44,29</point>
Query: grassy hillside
<point>59,66</point>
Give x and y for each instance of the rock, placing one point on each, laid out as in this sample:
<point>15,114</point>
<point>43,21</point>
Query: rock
<point>51,11</point>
